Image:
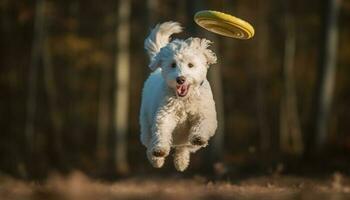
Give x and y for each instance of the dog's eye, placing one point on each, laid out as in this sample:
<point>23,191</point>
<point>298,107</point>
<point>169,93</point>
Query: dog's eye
<point>173,65</point>
<point>190,65</point>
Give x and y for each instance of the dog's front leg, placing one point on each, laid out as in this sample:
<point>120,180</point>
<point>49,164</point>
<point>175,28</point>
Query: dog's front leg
<point>203,127</point>
<point>161,138</point>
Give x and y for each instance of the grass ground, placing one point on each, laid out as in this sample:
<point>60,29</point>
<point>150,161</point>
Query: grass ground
<point>77,186</point>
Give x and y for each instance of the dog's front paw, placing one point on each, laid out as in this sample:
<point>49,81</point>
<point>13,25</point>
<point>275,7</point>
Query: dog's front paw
<point>156,162</point>
<point>160,151</point>
<point>198,141</point>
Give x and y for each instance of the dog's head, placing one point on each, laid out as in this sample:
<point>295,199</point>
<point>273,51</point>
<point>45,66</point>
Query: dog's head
<point>184,64</point>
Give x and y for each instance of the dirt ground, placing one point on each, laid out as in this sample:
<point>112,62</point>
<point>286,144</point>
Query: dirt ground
<point>77,186</point>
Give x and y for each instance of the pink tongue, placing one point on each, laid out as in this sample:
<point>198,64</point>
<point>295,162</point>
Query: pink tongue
<point>181,89</point>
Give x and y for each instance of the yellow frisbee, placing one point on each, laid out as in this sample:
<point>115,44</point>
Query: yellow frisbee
<point>224,24</point>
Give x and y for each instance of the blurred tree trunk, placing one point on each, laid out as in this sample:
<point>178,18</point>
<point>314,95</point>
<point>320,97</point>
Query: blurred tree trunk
<point>181,12</point>
<point>121,98</point>
<point>262,59</point>
<point>152,7</point>
<point>37,46</point>
<point>51,91</point>
<point>290,131</point>
<point>41,56</point>
<point>325,77</point>
<point>74,78</point>
<point>103,122</point>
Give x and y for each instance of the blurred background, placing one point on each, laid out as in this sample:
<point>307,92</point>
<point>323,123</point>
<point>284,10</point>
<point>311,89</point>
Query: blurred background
<point>72,72</point>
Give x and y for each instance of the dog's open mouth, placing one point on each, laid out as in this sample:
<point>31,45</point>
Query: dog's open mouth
<point>182,90</point>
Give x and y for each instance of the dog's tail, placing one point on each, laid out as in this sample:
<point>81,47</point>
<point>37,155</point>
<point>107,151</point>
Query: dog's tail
<point>160,36</point>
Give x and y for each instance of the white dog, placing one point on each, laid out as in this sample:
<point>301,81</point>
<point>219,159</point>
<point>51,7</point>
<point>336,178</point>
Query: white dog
<point>177,107</point>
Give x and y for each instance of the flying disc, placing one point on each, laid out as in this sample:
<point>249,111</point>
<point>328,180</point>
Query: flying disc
<point>224,24</point>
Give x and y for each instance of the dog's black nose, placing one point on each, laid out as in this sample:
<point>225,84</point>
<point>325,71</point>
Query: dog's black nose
<point>180,80</point>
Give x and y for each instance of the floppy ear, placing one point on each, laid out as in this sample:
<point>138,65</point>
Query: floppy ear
<point>209,54</point>
<point>203,45</point>
<point>155,63</point>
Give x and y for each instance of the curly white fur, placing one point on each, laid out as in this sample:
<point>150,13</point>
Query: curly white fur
<point>168,120</point>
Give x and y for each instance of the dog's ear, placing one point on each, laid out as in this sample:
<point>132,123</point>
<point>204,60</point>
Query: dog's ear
<point>203,45</point>
<point>157,60</point>
<point>155,63</point>
<point>209,54</point>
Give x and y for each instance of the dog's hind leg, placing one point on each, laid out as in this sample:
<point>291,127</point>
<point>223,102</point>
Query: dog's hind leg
<point>181,158</point>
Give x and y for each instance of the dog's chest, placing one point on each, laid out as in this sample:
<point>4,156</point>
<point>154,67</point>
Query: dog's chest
<point>186,111</point>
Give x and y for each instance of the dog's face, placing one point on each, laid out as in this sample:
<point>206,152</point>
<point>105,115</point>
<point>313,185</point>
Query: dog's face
<point>184,64</point>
